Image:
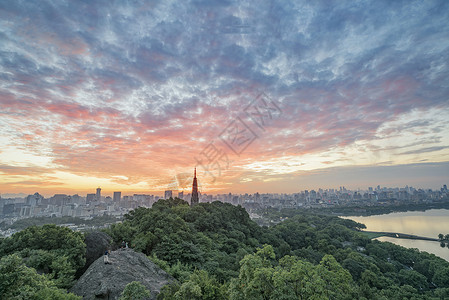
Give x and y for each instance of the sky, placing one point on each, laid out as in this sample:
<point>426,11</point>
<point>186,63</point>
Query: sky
<point>259,96</point>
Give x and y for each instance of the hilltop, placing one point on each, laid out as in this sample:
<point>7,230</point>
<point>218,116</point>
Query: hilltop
<point>107,281</point>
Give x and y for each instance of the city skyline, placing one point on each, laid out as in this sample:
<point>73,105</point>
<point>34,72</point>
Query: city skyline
<point>114,194</point>
<point>131,97</point>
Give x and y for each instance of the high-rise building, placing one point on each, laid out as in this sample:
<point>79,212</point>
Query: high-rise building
<point>168,194</point>
<point>58,199</point>
<point>34,200</point>
<point>195,199</point>
<point>77,199</point>
<point>181,195</point>
<point>117,197</point>
<point>90,198</point>
<point>98,195</point>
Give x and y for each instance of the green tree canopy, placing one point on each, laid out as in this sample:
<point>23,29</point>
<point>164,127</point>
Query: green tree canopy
<point>57,251</point>
<point>135,291</point>
<point>18,281</point>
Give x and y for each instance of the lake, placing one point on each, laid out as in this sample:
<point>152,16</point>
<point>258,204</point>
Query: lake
<point>423,223</point>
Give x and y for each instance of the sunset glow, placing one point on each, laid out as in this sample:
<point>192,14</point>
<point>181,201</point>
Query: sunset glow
<point>129,96</point>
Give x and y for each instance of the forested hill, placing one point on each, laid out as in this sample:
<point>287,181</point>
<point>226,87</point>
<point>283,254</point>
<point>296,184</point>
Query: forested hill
<point>217,252</point>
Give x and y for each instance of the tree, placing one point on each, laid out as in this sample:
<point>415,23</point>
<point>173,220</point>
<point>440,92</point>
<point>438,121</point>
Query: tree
<point>338,281</point>
<point>54,294</point>
<point>255,278</point>
<point>442,293</point>
<point>441,277</point>
<point>444,240</point>
<point>294,278</point>
<point>168,291</point>
<point>121,232</point>
<point>50,249</point>
<point>210,288</point>
<point>135,291</point>
<point>17,281</point>
<point>413,278</point>
<point>189,290</point>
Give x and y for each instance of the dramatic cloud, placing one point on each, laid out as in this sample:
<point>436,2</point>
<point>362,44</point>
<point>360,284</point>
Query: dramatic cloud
<point>129,94</point>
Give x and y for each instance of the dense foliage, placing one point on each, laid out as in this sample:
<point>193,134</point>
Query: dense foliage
<point>56,251</point>
<point>444,240</point>
<point>39,221</point>
<point>213,237</point>
<point>217,252</point>
<point>20,282</point>
<point>135,291</point>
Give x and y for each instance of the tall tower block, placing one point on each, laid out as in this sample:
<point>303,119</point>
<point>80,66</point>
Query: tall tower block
<point>98,194</point>
<point>194,200</point>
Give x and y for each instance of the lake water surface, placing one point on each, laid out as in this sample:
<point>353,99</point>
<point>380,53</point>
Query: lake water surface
<point>423,223</point>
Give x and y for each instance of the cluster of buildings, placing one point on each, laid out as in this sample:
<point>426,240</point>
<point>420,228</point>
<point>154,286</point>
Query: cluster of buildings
<point>60,205</point>
<point>97,205</point>
<point>73,205</point>
<point>94,204</point>
<point>333,197</point>
<point>343,196</point>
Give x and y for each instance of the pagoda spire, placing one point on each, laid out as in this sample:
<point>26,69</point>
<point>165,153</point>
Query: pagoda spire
<point>194,200</point>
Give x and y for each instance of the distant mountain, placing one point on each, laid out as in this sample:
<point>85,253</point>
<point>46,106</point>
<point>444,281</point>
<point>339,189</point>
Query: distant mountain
<point>19,195</point>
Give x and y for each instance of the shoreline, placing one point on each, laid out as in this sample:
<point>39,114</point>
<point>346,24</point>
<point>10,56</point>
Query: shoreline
<point>397,235</point>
